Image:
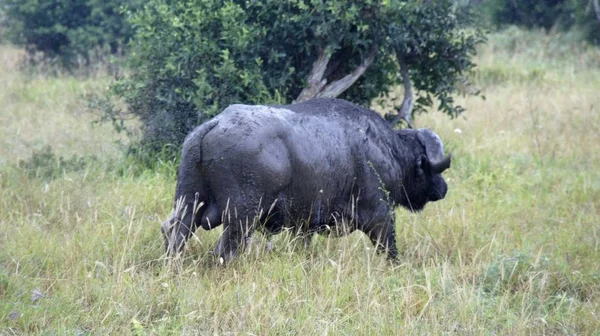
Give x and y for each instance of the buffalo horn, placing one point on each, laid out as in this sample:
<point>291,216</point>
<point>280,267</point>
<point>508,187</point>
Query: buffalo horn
<point>439,166</point>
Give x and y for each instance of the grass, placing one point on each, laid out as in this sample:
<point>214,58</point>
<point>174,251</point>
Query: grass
<point>513,249</point>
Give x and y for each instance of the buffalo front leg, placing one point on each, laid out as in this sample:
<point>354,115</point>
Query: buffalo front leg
<point>383,237</point>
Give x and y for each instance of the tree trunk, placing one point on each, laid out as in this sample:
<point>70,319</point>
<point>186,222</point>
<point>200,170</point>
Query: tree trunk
<point>317,84</point>
<point>338,87</point>
<point>405,111</point>
<point>596,9</point>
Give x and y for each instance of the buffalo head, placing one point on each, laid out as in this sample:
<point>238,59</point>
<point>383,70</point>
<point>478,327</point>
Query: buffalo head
<point>422,179</point>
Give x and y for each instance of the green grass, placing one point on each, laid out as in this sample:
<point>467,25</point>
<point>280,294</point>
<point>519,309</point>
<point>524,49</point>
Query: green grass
<point>513,249</point>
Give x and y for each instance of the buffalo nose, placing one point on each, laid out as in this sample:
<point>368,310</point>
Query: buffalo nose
<point>439,192</point>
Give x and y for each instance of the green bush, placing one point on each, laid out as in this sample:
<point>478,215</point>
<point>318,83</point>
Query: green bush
<point>530,13</point>
<point>546,14</point>
<point>191,59</point>
<point>68,31</point>
<point>586,21</point>
<point>3,25</point>
<point>45,164</point>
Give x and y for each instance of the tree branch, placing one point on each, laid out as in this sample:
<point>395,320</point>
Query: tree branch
<point>405,111</point>
<point>596,9</point>
<point>316,82</point>
<point>338,87</point>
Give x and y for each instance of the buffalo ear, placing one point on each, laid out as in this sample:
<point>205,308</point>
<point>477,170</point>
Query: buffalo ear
<point>434,149</point>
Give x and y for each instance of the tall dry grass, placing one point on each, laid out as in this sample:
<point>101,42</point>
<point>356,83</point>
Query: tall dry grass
<point>39,110</point>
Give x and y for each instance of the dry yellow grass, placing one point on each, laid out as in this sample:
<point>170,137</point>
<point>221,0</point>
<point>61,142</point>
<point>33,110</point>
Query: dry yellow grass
<point>39,110</point>
<point>512,250</point>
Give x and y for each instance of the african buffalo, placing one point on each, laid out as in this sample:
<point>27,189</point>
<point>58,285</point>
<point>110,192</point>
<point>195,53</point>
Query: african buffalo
<point>309,166</point>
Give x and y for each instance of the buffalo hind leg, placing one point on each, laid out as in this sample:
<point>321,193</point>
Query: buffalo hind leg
<point>235,237</point>
<point>383,237</point>
<point>238,227</point>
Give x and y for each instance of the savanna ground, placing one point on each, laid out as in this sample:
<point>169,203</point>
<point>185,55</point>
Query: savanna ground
<point>513,249</point>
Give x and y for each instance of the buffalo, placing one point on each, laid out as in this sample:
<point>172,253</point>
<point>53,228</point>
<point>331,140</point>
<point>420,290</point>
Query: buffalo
<point>321,166</point>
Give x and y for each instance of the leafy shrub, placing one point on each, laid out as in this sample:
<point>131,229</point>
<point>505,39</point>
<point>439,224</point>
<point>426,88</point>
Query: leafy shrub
<point>3,25</point>
<point>586,20</point>
<point>193,58</point>
<point>530,13</point>
<point>546,14</point>
<point>44,163</point>
<point>65,30</point>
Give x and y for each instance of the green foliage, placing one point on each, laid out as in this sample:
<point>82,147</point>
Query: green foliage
<point>193,58</point>
<point>530,13</point>
<point>2,25</point>
<point>586,21</point>
<point>45,164</point>
<point>437,48</point>
<point>546,14</point>
<point>65,30</point>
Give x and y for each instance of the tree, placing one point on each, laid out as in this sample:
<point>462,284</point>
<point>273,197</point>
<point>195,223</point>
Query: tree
<point>67,30</point>
<point>583,16</point>
<point>190,59</point>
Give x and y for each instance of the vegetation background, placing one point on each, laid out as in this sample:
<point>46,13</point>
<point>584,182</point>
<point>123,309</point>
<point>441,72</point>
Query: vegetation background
<point>513,249</point>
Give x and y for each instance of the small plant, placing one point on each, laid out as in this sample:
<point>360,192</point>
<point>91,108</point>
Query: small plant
<point>511,273</point>
<point>45,164</point>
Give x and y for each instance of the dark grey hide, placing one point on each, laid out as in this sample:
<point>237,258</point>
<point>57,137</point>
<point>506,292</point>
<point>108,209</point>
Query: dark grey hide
<point>316,166</point>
